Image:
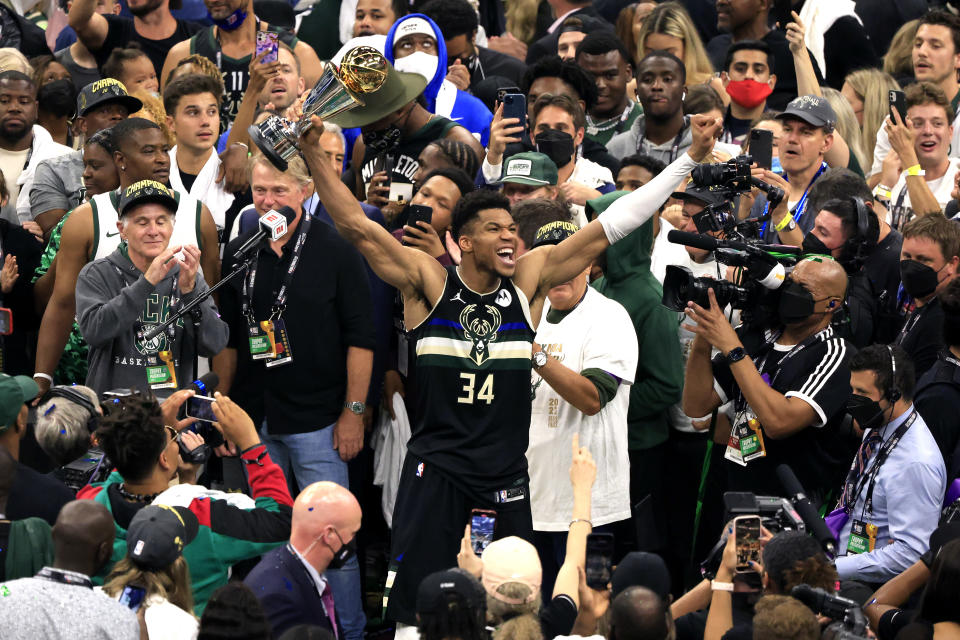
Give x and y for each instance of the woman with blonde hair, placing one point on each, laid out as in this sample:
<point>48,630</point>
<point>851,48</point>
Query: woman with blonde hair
<point>154,572</point>
<point>898,61</point>
<point>669,28</point>
<point>866,90</point>
<point>847,125</point>
<point>522,19</point>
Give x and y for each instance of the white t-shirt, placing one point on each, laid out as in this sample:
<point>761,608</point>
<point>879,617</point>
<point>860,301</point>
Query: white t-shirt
<point>940,188</point>
<point>883,146</point>
<point>597,334</point>
<point>165,620</point>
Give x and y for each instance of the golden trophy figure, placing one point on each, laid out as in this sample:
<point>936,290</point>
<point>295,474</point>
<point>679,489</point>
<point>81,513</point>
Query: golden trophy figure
<point>362,70</point>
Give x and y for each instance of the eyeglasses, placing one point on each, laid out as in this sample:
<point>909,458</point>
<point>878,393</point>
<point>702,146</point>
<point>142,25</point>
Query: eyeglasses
<point>174,434</point>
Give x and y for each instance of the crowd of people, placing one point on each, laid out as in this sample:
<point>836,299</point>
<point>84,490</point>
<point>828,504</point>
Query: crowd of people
<point>582,319</point>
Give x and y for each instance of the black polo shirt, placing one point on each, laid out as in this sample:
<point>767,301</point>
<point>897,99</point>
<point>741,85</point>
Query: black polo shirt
<point>329,309</point>
<point>818,374</point>
<point>922,336</point>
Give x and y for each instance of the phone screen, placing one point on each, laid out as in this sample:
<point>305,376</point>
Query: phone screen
<point>482,524</point>
<point>599,565</point>
<point>267,41</point>
<point>6,321</point>
<point>201,408</point>
<point>761,147</point>
<point>746,531</point>
<point>132,597</point>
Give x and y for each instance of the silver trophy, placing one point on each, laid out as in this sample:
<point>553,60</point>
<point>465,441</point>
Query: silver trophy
<point>362,70</point>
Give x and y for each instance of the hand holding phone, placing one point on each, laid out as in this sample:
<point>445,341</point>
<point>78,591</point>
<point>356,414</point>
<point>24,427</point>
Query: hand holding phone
<point>898,103</point>
<point>132,597</point>
<point>746,532</point>
<point>482,524</point>
<point>599,563</point>
<point>761,147</point>
<point>515,106</point>
<point>267,41</point>
<point>201,408</point>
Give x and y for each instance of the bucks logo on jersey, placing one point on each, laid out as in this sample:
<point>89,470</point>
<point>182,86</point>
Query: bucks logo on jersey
<point>156,311</point>
<point>480,327</point>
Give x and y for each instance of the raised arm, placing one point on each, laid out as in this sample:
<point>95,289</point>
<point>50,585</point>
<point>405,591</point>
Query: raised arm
<point>91,27</point>
<point>407,269</point>
<point>546,267</point>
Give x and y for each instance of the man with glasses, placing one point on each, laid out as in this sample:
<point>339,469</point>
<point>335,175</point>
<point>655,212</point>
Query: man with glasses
<point>136,435</point>
<point>289,581</point>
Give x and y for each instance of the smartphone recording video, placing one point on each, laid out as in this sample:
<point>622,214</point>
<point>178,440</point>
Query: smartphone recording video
<point>746,531</point>
<point>482,524</point>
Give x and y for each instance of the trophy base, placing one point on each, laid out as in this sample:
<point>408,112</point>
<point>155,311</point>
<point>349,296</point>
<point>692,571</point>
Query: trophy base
<point>266,148</point>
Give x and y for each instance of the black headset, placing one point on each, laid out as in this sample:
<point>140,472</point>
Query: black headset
<point>892,393</point>
<point>862,241</point>
<point>76,397</point>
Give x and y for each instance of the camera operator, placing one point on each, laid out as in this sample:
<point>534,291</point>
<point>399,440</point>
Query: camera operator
<point>65,422</point>
<point>894,490</point>
<point>789,394</point>
<point>136,436</point>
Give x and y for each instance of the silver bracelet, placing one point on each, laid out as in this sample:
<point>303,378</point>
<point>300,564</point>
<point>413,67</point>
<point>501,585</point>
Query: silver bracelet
<point>576,520</point>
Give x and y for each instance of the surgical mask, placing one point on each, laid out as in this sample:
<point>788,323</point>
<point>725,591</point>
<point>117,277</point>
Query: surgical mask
<point>419,62</point>
<point>232,22</point>
<point>748,93</point>
<point>918,279</point>
<point>796,303</point>
<point>556,145</point>
<point>813,244</point>
<point>867,412</point>
<point>343,555</point>
<point>383,140</point>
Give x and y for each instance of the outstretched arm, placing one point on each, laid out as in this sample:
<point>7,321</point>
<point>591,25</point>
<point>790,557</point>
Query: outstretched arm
<point>91,27</point>
<point>546,267</point>
<point>407,269</point>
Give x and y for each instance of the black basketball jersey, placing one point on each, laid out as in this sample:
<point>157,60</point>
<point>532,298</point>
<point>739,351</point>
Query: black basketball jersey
<point>235,71</point>
<point>473,379</point>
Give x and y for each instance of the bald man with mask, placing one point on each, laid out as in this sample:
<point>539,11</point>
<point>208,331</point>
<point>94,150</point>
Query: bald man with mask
<point>789,386</point>
<point>59,602</point>
<point>289,580</point>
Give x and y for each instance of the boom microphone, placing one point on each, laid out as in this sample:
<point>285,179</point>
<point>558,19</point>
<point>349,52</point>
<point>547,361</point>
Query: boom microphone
<point>814,523</point>
<point>697,240</point>
<point>273,225</point>
<point>709,243</point>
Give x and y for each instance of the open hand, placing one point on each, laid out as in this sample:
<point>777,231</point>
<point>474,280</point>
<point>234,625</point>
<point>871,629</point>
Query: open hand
<point>9,274</point>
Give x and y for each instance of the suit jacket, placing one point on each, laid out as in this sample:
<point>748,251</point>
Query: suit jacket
<point>287,592</point>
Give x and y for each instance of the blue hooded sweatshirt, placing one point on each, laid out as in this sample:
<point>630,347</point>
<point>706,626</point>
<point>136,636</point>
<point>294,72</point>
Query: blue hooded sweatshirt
<point>467,110</point>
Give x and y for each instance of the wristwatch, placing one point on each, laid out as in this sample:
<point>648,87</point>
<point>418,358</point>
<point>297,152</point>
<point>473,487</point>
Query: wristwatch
<point>356,407</point>
<point>539,359</point>
<point>788,222</point>
<point>735,355</point>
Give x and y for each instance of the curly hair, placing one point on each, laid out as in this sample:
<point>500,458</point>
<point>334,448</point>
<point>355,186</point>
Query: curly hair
<point>512,621</point>
<point>567,70</point>
<point>203,64</point>
<point>132,435</point>
<point>470,206</point>
<point>154,112</point>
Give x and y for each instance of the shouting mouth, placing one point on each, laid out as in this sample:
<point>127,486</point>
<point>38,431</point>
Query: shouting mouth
<point>505,255</point>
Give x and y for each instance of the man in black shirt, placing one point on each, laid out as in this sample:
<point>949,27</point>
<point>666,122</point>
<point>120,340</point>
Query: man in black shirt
<point>468,62</point>
<point>928,263</point>
<point>788,394</point>
<point>301,349</point>
<point>938,390</point>
<point>153,27</point>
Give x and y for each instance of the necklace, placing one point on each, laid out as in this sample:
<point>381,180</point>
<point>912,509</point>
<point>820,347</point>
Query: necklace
<point>135,497</point>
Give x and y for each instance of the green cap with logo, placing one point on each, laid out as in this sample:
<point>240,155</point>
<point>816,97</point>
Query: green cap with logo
<point>147,191</point>
<point>530,167</point>
<point>15,391</point>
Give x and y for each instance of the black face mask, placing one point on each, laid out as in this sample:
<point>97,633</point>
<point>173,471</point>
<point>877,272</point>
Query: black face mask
<point>867,412</point>
<point>343,555</point>
<point>814,245</point>
<point>918,279</point>
<point>796,303</point>
<point>556,145</point>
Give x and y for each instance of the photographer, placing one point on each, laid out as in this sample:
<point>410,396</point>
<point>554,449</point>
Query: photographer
<point>790,392</point>
<point>894,490</point>
<point>135,436</point>
<point>66,421</point>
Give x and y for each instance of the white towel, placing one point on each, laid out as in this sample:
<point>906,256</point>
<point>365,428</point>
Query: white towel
<point>390,444</point>
<point>817,17</point>
<point>205,187</point>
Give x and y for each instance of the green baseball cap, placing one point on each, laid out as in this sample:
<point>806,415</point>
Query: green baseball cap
<point>15,391</point>
<point>530,167</point>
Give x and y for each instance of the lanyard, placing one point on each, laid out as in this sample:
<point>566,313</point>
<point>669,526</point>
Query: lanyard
<point>801,206</point>
<point>874,470</point>
<point>65,577</point>
<point>741,402</point>
<point>897,212</point>
<point>676,141</point>
<point>911,322</point>
<point>281,302</point>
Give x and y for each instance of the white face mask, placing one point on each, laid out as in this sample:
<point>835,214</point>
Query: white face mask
<point>418,62</point>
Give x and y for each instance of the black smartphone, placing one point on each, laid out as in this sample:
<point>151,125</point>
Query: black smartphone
<point>482,524</point>
<point>761,147</point>
<point>416,213</point>
<point>6,321</point>
<point>384,163</point>
<point>746,532</point>
<point>201,408</point>
<point>599,560</point>
<point>515,106</point>
<point>781,13</point>
<point>898,101</point>
<point>132,597</point>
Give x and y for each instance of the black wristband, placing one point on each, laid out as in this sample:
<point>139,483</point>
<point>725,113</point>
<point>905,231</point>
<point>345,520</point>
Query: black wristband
<point>259,444</point>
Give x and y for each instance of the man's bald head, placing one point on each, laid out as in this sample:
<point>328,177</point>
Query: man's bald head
<point>324,510</point>
<point>640,614</point>
<point>83,536</point>
<point>822,277</point>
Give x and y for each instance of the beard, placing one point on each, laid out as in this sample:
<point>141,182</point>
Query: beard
<point>148,7</point>
<point>14,134</point>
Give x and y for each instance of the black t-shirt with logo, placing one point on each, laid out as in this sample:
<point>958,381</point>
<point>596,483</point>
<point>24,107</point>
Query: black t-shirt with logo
<point>817,372</point>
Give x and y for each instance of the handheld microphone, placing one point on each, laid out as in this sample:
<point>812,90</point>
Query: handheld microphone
<point>205,384</point>
<point>814,523</point>
<point>272,225</point>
